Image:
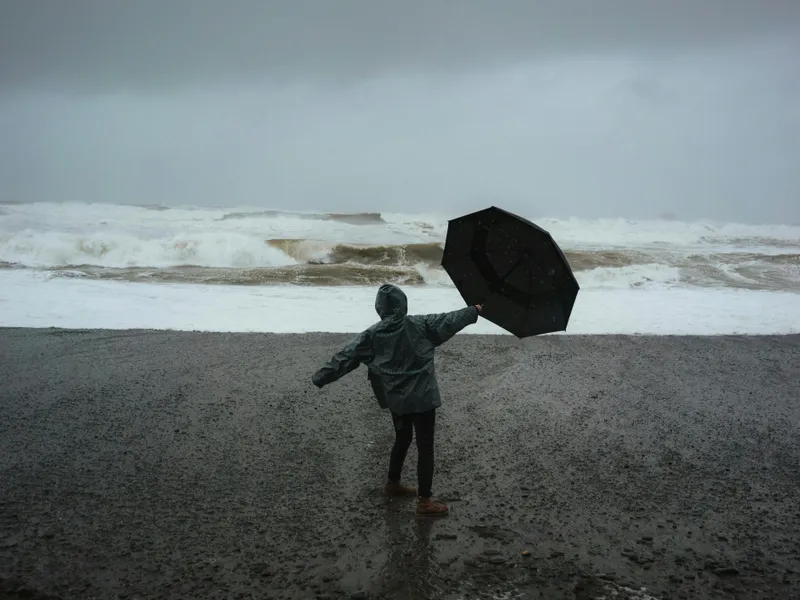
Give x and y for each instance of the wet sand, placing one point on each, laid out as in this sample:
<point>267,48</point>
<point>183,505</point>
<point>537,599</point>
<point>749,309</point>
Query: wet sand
<point>187,465</point>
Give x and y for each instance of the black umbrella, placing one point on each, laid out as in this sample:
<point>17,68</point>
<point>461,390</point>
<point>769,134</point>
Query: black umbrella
<point>514,268</point>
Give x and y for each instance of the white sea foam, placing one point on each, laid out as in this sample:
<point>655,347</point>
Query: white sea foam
<point>31,298</point>
<point>638,276</point>
<point>149,223</point>
<point>122,249</point>
<point>612,254</point>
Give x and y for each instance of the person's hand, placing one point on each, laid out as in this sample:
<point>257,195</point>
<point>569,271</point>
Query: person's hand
<point>479,307</point>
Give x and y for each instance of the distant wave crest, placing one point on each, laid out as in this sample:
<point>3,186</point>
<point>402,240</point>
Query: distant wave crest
<point>350,218</point>
<point>260,247</point>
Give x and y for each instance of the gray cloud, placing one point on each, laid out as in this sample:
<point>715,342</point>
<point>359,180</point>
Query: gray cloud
<point>591,109</point>
<point>91,44</point>
<point>714,136</point>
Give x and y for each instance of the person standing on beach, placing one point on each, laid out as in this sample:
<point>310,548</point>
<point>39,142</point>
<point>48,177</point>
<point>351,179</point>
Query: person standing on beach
<point>398,352</point>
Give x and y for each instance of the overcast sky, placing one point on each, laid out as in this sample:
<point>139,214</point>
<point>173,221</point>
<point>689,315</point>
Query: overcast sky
<point>559,108</point>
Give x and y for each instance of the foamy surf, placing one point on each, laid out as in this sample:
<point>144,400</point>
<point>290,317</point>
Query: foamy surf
<point>31,298</point>
<point>269,247</point>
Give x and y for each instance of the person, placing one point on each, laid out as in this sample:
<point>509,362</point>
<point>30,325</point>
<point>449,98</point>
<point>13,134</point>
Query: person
<point>398,352</point>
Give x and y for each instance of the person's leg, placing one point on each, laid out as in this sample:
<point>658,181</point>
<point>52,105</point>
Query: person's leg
<point>404,432</point>
<point>424,424</point>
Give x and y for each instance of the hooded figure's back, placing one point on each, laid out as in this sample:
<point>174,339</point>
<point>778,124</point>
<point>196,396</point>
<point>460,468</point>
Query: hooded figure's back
<point>398,352</point>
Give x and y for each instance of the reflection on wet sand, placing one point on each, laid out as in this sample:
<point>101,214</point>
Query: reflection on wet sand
<point>411,570</point>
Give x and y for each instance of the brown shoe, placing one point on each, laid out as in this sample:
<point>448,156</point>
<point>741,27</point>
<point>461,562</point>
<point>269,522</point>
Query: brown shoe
<point>395,488</point>
<point>427,507</point>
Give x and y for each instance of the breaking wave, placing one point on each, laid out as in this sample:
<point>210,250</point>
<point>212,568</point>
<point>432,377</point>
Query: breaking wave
<point>350,218</point>
<point>318,251</point>
<point>310,262</point>
<point>261,247</point>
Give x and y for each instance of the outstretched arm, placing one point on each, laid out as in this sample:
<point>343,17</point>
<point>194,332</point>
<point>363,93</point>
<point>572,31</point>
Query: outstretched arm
<point>358,351</point>
<point>441,327</point>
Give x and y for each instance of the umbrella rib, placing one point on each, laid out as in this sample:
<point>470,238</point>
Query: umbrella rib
<point>530,278</point>
<point>511,270</point>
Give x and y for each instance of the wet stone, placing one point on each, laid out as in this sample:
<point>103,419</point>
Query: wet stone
<point>470,562</point>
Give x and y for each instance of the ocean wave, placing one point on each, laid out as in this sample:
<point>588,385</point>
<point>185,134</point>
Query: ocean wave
<point>381,227</point>
<point>349,218</point>
<point>630,277</point>
<point>243,259</point>
<point>638,276</point>
<point>260,214</point>
<point>255,246</point>
<point>319,251</point>
<point>305,274</point>
<point>59,249</point>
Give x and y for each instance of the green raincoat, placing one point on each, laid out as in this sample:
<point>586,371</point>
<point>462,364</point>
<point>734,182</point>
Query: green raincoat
<point>398,352</point>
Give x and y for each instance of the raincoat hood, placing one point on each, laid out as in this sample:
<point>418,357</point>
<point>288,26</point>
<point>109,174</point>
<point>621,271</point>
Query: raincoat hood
<point>391,301</point>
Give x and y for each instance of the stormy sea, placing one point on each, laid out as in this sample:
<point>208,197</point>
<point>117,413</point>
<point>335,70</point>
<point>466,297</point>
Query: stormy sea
<point>102,265</point>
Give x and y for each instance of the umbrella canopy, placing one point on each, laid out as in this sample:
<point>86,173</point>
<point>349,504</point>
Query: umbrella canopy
<point>514,268</point>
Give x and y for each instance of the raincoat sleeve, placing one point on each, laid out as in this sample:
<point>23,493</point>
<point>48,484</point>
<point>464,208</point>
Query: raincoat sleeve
<point>358,351</point>
<point>441,327</point>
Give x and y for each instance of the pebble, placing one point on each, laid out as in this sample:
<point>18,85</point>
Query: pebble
<point>10,542</point>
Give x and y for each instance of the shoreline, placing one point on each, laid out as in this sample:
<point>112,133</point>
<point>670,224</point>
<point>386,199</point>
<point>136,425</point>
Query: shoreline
<point>26,301</point>
<point>154,463</point>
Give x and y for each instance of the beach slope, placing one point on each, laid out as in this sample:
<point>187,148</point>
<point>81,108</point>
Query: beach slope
<point>146,464</point>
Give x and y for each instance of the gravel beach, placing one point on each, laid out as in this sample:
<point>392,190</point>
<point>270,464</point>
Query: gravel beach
<point>143,464</point>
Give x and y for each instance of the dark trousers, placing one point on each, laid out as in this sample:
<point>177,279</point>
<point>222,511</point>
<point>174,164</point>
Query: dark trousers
<point>404,427</point>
